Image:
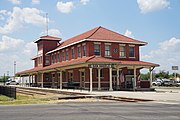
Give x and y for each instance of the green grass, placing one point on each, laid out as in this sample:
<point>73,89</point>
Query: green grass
<point>24,99</point>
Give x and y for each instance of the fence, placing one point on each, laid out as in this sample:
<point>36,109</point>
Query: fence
<point>8,91</point>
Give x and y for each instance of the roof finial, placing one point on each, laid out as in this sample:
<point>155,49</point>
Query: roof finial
<point>47,23</point>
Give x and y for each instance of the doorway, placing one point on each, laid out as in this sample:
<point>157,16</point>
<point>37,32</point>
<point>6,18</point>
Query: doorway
<point>82,79</point>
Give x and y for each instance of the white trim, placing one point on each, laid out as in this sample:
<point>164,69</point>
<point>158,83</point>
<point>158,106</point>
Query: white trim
<point>66,46</point>
<point>97,43</point>
<point>107,43</point>
<point>113,41</point>
<point>132,45</point>
<point>78,45</point>
<point>122,44</point>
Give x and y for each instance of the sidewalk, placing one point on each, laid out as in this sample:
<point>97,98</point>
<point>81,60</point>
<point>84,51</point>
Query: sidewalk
<point>160,95</point>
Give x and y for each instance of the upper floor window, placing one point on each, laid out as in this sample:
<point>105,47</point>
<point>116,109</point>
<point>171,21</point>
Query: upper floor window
<point>84,50</point>
<point>66,54</point>
<point>79,51</point>
<point>63,58</point>
<point>46,60</point>
<point>58,57</point>
<point>72,53</point>
<point>122,50</point>
<point>52,58</point>
<point>131,51</point>
<point>107,50</point>
<point>97,49</point>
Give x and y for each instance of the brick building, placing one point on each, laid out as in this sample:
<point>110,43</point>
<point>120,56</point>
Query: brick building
<point>95,60</point>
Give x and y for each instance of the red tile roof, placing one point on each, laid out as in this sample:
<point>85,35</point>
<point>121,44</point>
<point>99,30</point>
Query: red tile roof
<point>91,59</point>
<point>138,63</point>
<point>100,33</point>
<point>47,37</point>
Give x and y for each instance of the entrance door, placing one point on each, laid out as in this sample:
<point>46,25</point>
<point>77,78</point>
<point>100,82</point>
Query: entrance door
<point>82,79</point>
<point>129,81</point>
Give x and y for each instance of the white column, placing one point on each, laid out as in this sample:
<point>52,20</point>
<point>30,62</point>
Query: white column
<point>118,87</point>
<point>150,71</point>
<point>110,79</point>
<point>134,86</point>
<point>22,81</point>
<point>29,80</point>
<point>99,79</point>
<point>90,73</point>
<point>32,79</point>
<point>42,78</point>
<point>60,79</point>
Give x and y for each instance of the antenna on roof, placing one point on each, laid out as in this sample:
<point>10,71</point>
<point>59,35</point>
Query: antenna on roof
<point>47,23</point>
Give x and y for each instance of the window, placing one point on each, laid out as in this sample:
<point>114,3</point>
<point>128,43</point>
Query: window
<point>52,58</point>
<point>58,57</point>
<point>84,50</point>
<point>107,50</point>
<point>96,49</point>
<point>66,54</point>
<point>46,60</point>
<point>122,51</point>
<point>131,51</point>
<point>63,56</point>
<point>70,76</point>
<point>72,53</point>
<point>79,52</point>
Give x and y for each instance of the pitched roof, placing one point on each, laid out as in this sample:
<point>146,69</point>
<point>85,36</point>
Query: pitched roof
<point>99,34</point>
<point>91,59</point>
<point>47,37</point>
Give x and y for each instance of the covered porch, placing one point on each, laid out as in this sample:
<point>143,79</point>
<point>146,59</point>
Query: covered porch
<point>94,73</point>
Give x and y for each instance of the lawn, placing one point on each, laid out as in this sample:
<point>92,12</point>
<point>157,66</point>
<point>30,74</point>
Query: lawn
<point>24,99</point>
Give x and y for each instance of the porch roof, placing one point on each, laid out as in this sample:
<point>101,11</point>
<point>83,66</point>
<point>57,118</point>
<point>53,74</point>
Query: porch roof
<point>87,60</point>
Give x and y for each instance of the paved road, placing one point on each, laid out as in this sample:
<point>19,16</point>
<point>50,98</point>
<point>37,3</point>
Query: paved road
<point>92,111</point>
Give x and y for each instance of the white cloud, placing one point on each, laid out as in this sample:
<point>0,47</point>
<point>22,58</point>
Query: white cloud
<point>12,49</point>
<point>17,2</point>
<point>152,5</point>
<point>128,34</point>
<point>167,55</point>
<point>65,7</point>
<point>18,18</point>
<point>35,1</point>
<point>84,2</point>
<point>52,32</point>
<point>8,43</point>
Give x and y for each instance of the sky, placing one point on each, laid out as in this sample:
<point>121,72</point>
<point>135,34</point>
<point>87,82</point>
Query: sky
<point>154,21</point>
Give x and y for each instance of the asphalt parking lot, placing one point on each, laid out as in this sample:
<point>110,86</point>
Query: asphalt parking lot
<point>92,111</point>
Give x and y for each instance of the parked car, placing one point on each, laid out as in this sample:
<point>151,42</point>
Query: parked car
<point>13,82</point>
<point>157,82</point>
<point>167,82</point>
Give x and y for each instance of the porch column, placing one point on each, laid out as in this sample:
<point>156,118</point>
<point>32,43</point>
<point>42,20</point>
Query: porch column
<point>22,81</point>
<point>99,79</point>
<point>42,79</point>
<point>29,80</point>
<point>90,73</point>
<point>60,80</point>
<point>110,79</point>
<point>32,79</point>
<point>151,76</point>
<point>134,86</point>
<point>118,85</point>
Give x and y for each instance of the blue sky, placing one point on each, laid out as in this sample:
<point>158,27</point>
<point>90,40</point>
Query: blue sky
<point>153,21</point>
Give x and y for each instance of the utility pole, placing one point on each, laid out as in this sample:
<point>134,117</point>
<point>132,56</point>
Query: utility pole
<point>4,78</point>
<point>47,23</point>
<point>14,69</point>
